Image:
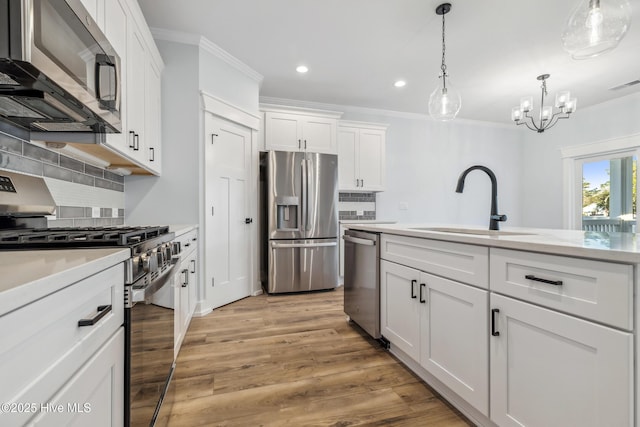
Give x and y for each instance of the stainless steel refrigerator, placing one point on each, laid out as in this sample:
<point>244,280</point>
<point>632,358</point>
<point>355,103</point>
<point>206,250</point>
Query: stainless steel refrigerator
<point>300,221</point>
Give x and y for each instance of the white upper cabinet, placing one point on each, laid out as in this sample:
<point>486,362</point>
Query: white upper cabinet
<point>361,152</point>
<point>124,26</point>
<point>300,130</point>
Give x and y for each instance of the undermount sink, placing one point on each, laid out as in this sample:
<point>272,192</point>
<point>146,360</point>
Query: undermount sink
<point>474,231</point>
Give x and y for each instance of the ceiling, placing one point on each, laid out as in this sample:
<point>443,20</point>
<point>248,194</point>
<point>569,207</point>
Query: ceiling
<point>357,49</point>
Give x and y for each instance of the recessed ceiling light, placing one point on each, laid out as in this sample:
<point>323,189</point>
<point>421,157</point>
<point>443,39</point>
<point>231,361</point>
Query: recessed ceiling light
<point>400,83</point>
<point>302,69</point>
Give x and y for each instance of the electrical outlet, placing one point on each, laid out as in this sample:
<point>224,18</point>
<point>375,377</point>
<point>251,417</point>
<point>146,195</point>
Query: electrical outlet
<point>114,212</point>
<point>95,212</point>
<point>403,206</point>
<point>360,213</point>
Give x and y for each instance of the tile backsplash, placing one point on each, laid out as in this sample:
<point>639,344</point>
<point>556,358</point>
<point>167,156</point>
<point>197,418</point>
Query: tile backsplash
<point>359,206</point>
<point>85,195</point>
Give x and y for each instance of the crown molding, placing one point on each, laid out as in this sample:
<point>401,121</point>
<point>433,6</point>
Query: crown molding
<point>208,46</point>
<point>372,111</point>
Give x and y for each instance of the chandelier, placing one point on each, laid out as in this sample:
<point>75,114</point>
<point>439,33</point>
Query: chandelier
<point>522,115</point>
<point>595,27</point>
<point>444,102</point>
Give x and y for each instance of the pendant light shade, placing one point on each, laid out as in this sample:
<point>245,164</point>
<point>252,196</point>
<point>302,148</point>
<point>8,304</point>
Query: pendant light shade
<point>595,27</point>
<point>445,101</point>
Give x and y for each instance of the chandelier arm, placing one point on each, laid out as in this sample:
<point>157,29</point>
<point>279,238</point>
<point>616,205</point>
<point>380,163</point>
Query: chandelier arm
<point>534,128</point>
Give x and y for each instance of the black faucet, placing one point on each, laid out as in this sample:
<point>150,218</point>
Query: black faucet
<point>495,217</point>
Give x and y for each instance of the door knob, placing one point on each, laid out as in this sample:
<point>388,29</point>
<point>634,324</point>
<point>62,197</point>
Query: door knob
<point>248,220</point>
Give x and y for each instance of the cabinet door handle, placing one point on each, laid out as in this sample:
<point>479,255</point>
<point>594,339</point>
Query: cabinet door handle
<point>413,292</point>
<point>136,142</point>
<point>186,277</point>
<point>305,144</point>
<point>132,136</point>
<point>153,154</point>
<point>193,266</point>
<point>102,311</point>
<point>299,144</point>
<point>422,286</point>
<point>493,322</point>
<point>538,279</point>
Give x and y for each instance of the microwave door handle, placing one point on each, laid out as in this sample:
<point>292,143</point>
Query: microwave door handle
<point>102,61</point>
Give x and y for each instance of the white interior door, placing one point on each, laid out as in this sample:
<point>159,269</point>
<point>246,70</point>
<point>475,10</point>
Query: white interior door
<point>227,172</point>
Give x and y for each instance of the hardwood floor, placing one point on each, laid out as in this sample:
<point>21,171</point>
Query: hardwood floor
<point>294,360</point>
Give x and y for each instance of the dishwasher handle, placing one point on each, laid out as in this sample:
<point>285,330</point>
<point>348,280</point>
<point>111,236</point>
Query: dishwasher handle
<point>359,241</point>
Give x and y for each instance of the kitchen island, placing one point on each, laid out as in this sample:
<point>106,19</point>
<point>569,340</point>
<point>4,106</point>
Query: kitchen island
<point>516,327</point>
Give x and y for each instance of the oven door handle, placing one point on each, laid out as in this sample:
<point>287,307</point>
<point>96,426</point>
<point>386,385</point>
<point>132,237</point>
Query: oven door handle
<point>141,294</point>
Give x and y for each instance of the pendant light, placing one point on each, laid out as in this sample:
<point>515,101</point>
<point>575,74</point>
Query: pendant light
<point>445,101</point>
<point>595,27</point>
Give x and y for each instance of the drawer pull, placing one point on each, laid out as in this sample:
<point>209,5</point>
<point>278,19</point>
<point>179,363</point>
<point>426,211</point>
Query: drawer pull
<point>413,292</point>
<point>102,311</point>
<point>537,279</point>
<point>493,322</point>
<point>422,286</point>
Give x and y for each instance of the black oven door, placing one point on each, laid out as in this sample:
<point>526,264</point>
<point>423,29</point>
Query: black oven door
<point>150,353</point>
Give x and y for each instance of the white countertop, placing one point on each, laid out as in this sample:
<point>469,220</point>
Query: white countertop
<point>365,221</point>
<point>32,274</point>
<point>607,246</point>
<point>180,229</point>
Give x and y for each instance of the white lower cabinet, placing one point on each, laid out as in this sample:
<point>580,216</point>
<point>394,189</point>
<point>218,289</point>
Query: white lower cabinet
<point>62,356</point>
<point>551,369</point>
<point>549,341</point>
<point>94,396</point>
<point>442,325</point>
<point>185,282</point>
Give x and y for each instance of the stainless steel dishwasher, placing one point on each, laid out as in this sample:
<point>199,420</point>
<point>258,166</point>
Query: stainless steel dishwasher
<point>362,279</point>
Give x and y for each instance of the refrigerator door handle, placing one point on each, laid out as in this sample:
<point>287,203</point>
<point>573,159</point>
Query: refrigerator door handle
<point>275,245</point>
<point>304,192</point>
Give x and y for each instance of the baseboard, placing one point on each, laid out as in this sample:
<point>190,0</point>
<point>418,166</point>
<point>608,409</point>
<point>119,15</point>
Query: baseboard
<point>201,311</point>
<point>449,395</point>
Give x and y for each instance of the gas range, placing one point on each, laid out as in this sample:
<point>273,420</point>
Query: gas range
<point>152,249</point>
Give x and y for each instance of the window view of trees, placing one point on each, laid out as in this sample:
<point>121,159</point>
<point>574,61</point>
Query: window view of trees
<point>609,194</point>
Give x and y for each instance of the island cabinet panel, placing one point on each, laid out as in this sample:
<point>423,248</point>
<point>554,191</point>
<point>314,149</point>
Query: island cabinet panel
<point>595,290</point>
<point>551,369</point>
<point>441,325</point>
<point>457,261</point>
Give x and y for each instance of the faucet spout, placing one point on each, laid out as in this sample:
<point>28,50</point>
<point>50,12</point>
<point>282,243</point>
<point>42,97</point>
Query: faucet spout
<point>494,217</point>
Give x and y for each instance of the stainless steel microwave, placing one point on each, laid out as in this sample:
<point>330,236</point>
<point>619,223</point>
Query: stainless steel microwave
<point>58,72</point>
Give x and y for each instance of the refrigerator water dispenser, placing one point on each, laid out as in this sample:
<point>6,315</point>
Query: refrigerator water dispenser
<point>287,213</point>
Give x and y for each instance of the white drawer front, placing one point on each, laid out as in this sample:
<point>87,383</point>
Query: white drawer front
<point>188,242</point>
<point>596,290</point>
<point>42,343</point>
<point>457,261</point>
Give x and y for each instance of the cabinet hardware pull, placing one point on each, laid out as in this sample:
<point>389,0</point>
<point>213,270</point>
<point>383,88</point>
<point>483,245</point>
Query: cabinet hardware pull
<point>213,135</point>
<point>305,144</point>
<point>493,322</point>
<point>136,142</point>
<point>186,277</point>
<point>132,143</point>
<point>153,154</point>
<point>102,311</point>
<point>422,286</point>
<point>538,279</point>
<point>413,292</point>
<point>299,144</point>
<point>193,263</point>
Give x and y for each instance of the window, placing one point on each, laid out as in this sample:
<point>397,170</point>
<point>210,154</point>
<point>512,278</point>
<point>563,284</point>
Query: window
<point>608,193</point>
<point>600,185</point>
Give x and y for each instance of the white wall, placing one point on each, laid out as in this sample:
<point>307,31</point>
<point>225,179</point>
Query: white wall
<point>542,166</point>
<point>425,158</point>
<point>173,197</point>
